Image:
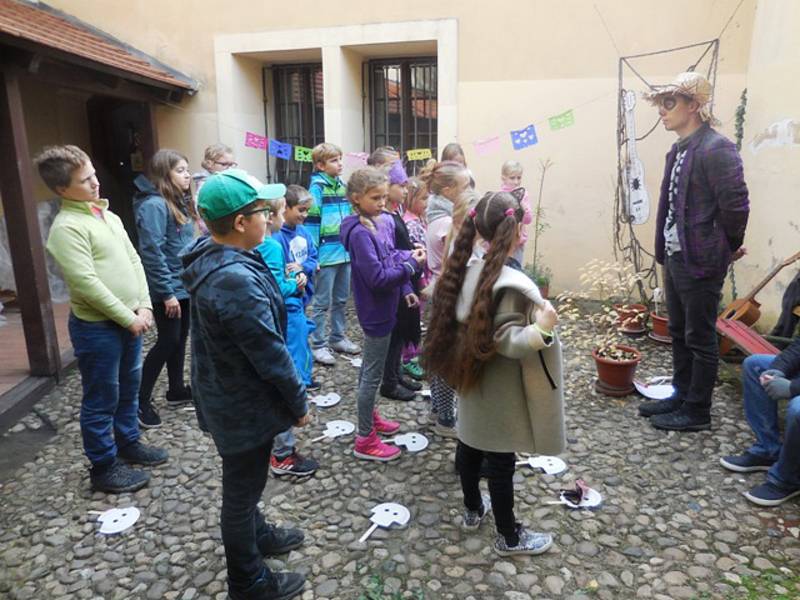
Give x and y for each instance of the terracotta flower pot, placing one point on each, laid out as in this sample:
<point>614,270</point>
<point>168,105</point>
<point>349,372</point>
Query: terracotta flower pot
<point>660,325</point>
<point>544,288</point>
<point>615,377</point>
<point>631,317</point>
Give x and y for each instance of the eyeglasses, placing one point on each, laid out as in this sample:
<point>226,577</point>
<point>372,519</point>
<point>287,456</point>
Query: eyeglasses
<point>226,165</point>
<point>265,209</point>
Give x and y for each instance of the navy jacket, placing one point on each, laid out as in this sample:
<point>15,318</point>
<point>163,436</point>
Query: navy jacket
<point>161,241</point>
<point>788,361</point>
<point>244,383</point>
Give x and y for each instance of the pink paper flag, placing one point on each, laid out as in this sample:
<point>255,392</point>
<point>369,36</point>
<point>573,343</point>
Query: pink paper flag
<point>355,160</point>
<point>253,140</point>
<point>487,145</point>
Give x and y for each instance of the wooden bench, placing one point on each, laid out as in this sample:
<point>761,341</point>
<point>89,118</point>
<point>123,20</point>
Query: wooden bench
<point>744,338</point>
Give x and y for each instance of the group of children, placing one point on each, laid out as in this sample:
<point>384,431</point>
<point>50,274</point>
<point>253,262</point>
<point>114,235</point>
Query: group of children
<point>240,264</point>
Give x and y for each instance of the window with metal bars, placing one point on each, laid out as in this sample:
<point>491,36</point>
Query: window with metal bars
<point>299,115</point>
<point>403,105</point>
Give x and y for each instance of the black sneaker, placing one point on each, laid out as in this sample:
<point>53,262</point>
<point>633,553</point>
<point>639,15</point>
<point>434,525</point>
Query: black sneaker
<point>746,463</point>
<point>180,396</point>
<point>769,494</point>
<point>272,586</point>
<point>295,464</point>
<point>397,393</point>
<point>659,407</point>
<point>148,417</point>
<point>682,419</point>
<point>410,384</point>
<point>314,386</point>
<point>140,454</point>
<point>117,478</point>
<point>279,540</point>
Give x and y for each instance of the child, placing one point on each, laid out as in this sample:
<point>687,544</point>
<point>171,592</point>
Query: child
<point>245,386</point>
<point>454,152</point>
<point>511,174</point>
<point>110,309</point>
<point>285,460</point>
<point>447,181</point>
<point>507,369</point>
<point>165,221</point>
<point>383,155</point>
<point>299,250</point>
<point>379,273</point>
<point>414,217</point>
<point>407,327</point>
<point>332,285</point>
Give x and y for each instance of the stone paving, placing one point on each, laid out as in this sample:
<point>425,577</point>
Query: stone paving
<point>673,524</point>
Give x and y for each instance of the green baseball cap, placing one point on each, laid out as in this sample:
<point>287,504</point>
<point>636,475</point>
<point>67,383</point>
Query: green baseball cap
<point>226,192</point>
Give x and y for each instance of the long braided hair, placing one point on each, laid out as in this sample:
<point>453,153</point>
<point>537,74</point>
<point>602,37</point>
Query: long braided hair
<point>458,352</point>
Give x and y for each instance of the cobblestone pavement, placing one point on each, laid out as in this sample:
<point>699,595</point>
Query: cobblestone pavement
<point>673,524</point>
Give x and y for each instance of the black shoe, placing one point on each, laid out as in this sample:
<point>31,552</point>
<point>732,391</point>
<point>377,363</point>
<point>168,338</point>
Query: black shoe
<point>117,478</point>
<point>314,386</point>
<point>279,540</point>
<point>682,419</point>
<point>148,417</point>
<point>140,454</point>
<point>746,463</point>
<point>660,407</point>
<point>275,586</point>
<point>179,396</point>
<point>397,393</point>
<point>410,384</point>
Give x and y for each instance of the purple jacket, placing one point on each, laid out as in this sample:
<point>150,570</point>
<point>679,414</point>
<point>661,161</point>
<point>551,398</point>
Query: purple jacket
<point>711,206</point>
<point>379,272</point>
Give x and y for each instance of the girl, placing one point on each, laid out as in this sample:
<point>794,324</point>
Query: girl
<point>165,221</point>
<point>511,175</point>
<point>414,218</point>
<point>383,155</point>
<point>378,273</point>
<point>447,181</point>
<point>492,339</point>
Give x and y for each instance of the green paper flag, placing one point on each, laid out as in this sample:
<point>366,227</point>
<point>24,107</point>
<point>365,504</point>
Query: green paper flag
<point>302,154</point>
<point>565,119</point>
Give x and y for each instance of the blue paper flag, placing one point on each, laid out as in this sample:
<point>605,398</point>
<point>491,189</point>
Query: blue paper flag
<point>520,139</point>
<point>280,149</point>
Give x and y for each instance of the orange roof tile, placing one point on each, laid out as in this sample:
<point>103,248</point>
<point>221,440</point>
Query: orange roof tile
<point>44,25</point>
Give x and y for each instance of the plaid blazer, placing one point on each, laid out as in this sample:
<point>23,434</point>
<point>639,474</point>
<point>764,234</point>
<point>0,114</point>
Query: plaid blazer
<point>711,205</point>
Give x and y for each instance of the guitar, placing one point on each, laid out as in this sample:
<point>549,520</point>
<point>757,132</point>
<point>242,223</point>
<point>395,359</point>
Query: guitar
<point>748,309</point>
<point>638,202</point>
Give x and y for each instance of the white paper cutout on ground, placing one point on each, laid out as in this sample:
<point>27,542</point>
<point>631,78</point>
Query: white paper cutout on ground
<point>591,499</point>
<point>425,393</point>
<point>655,388</point>
<point>356,362</point>
<point>334,429</point>
<point>386,515</point>
<point>327,400</point>
<point>413,442</point>
<point>551,465</point>
<point>116,520</point>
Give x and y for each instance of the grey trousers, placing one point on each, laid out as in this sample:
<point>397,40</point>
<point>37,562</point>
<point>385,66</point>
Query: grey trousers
<point>373,357</point>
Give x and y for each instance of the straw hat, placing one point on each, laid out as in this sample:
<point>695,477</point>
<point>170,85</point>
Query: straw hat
<point>690,85</point>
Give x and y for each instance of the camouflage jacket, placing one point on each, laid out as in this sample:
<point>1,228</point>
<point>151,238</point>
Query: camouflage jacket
<point>244,383</point>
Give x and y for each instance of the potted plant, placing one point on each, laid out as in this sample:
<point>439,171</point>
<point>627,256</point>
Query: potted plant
<point>604,286</point>
<point>660,323</point>
<point>540,275</point>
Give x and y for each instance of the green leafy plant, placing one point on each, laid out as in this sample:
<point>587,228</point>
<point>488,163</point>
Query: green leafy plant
<point>540,273</point>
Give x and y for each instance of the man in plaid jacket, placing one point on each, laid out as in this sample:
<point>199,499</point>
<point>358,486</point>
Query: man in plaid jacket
<point>700,227</point>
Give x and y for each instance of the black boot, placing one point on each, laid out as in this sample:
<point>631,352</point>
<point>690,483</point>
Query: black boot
<point>398,392</point>
<point>410,384</point>
<point>686,418</point>
<point>660,407</point>
<point>279,540</point>
<point>277,586</point>
<point>117,478</point>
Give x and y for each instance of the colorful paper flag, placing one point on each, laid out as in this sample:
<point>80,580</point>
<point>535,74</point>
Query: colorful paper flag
<point>565,119</point>
<point>355,160</point>
<point>487,145</point>
<point>302,154</point>
<point>253,140</point>
<point>419,154</point>
<point>280,149</point>
<point>522,138</point>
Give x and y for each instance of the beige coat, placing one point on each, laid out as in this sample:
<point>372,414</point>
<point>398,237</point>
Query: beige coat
<point>515,407</point>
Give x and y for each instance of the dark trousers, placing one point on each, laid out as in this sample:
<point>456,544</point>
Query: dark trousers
<point>169,349</point>
<point>391,367</point>
<point>501,485</point>
<point>244,477</point>
<point>693,305</point>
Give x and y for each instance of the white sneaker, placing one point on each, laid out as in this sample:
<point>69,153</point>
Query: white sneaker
<point>324,356</point>
<point>346,346</point>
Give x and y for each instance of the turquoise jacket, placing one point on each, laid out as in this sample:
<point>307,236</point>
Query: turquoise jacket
<point>328,209</point>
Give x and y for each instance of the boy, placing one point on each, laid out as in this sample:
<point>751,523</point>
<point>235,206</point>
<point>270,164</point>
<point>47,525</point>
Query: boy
<point>245,386</point>
<point>325,216</point>
<point>110,309</point>
<point>285,459</point>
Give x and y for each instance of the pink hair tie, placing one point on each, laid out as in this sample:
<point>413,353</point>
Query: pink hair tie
<point>510,212</point>
<point>472,213</point>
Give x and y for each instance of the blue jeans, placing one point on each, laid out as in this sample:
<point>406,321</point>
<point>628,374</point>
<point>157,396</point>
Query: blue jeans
<point>110,362</point>
<point>283,444</point>
<point>762,414</point>
<point>331,291</point>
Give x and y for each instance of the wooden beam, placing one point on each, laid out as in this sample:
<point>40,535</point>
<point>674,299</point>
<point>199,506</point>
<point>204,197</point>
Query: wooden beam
<point>24,237</point>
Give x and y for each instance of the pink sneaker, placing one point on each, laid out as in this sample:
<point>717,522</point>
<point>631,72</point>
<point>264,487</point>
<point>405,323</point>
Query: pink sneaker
<point>372,448</point>
<point>382,425</point>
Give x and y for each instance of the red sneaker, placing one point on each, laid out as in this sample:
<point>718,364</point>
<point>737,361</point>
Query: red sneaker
<point>372,448</point>
<point>382,425</point>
